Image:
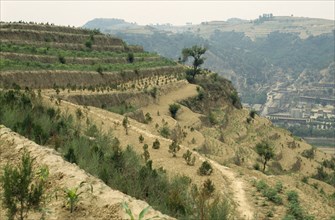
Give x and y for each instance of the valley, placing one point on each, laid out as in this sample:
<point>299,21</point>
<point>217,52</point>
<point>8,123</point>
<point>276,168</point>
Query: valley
<point>257,56</point>
<point>94,109</point>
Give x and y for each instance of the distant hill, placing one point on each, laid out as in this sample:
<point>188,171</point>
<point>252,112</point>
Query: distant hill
<point>304,27</point>
<point>109,24</point>
<point>253,54</point>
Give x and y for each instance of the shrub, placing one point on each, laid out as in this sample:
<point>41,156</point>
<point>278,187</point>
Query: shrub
<point>100,69</point>
<point>206,205</point>
<point>205,169</point>
<point>279,186</point>
<point>141,139</point>
<point>261,185</point>
<point>269,192</point>
<point>130,58</point>
<point>79,114</point>
<point>252,113</point>
<point>70,156</point>
<point>201,94</point>
<point>324,176</point>
<point>156,144</point>
<point>148,118</point>
<point>305,179</point>
<point>174,148</point>
<point>212,119</point>
<point>329,163</point>
<point>188,158</point>
<point>146,153</point>
<point>292,196</point>
<point>88,44</point>
<point>61,59</point>
<point>165,131</point>
<point>256,166</point>
<point>173,108</point>
<point>153,92</point>
<point>23,189</point>
<point>235,100</point>
<point>125,124</point>
<point>310,153</point>
<point>294,210</point>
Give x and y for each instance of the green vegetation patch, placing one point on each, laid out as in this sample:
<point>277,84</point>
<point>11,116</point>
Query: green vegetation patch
<point>122,109</point>
<point>102,156</point>
<point>269,192</point>
<point>7,64</point>
<point>49,50</point>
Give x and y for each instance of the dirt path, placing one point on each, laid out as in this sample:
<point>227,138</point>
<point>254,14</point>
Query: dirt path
<point>236,184</point>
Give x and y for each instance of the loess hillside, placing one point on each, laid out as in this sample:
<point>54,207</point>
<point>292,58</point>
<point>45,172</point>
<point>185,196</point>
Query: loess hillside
<point>100,105</point>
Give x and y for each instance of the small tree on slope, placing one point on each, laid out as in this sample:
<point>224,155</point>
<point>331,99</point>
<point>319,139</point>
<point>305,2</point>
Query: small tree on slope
<point>266,152</point>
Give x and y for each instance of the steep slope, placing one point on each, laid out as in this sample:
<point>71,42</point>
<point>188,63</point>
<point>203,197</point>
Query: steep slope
<point>64,175</point>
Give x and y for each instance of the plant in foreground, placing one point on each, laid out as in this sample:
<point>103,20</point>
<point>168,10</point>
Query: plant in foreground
<point>141,215</point>
<point>72,195</point>
<point>23,189</point>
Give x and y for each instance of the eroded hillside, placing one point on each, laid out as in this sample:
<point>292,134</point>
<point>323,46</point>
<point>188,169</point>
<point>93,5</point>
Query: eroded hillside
<point>92,87</point>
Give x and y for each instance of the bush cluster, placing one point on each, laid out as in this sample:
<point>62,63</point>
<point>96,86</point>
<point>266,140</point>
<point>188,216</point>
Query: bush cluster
<point>269,192</point>
<point>294,210</point>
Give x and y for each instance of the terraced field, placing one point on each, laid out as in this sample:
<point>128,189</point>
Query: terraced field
<point>59,54</point>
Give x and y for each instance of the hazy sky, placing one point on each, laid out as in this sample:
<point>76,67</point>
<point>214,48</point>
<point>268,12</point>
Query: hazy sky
<point>77,13</point>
